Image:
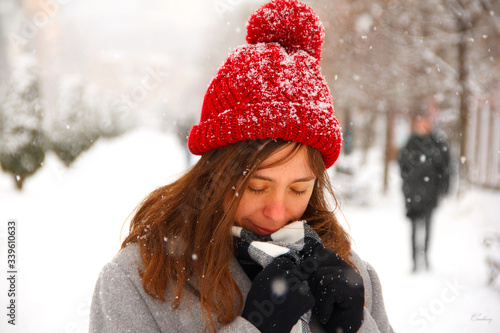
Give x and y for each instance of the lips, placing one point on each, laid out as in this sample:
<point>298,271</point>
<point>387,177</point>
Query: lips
<point>262,231</point>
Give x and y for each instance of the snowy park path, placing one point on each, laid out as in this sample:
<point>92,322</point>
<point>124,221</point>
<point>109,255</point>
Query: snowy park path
<point>454,295</point>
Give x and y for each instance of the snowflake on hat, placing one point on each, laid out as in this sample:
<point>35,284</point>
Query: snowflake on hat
<point>272,88</point>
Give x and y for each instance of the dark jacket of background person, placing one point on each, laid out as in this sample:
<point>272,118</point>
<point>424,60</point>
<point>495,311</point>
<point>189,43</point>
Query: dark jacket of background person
<point>425,169</point>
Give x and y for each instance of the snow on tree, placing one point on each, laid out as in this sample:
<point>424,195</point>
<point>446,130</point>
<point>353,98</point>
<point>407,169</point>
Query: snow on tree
<point>21,139</point>
<point>73,127</point>
<point>113,121</point>
<point>110,118</point>
<point>3,57</point>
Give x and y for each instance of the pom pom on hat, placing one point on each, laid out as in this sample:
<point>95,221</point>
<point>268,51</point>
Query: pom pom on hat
<point>272,88</point>
<point>290,23</point>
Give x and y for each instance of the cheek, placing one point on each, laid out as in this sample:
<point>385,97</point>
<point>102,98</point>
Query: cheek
<point>300,205</point>
<point>298,208</point>
<point>245,208</point>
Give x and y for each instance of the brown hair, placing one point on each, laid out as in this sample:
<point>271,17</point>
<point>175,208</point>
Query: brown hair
<point>185,233</point>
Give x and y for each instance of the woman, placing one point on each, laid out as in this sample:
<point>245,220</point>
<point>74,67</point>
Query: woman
<point>246,241</point>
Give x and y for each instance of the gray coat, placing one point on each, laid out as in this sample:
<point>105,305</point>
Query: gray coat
<point>120,304</point>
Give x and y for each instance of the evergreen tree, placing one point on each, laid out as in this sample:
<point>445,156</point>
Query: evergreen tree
<point>21,144</point>
<point>111,117</point>
<point>73,127</point>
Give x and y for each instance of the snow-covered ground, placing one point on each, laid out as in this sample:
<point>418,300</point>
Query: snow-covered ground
<point>454,295</point>
<point>69,223</point>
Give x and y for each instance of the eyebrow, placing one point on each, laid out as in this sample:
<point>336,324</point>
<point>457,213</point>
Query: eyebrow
<point>299,180</point>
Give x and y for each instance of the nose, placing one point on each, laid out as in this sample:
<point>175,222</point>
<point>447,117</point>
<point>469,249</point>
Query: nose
<point>275,211</point>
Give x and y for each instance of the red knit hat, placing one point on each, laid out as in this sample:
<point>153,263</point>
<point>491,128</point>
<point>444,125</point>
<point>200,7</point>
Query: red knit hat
<point>272,88</point>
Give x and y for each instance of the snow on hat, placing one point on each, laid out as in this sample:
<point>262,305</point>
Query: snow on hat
<point>272,88</point>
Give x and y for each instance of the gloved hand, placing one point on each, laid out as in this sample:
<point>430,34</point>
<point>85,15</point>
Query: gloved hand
<point>278,297</point>
<point>338,290</point>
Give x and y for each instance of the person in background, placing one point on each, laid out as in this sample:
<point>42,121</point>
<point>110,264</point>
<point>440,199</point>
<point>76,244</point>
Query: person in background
<point>247,240</point>
<point>424,163</point>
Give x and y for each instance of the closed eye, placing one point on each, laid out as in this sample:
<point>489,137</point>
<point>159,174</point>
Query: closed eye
<point>297,192</point>
<point>255,190</point>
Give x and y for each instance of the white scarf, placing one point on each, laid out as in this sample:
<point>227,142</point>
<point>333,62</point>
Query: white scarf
<point>291,240</point>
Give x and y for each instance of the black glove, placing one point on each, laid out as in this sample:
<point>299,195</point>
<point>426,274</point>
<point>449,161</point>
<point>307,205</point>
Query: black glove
<point>278,297</point>
<point>338,290</point>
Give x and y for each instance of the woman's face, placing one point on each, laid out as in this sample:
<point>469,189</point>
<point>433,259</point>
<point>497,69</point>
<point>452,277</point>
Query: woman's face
<point>278,195</point>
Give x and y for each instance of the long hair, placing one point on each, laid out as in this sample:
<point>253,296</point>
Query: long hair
<point>184,232</point>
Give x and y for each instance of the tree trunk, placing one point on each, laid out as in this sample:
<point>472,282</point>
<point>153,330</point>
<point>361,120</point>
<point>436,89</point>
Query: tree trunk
<point>19,181</point>
<point>389,150</point>
<point>368,135</point>
<point>463,77</point>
